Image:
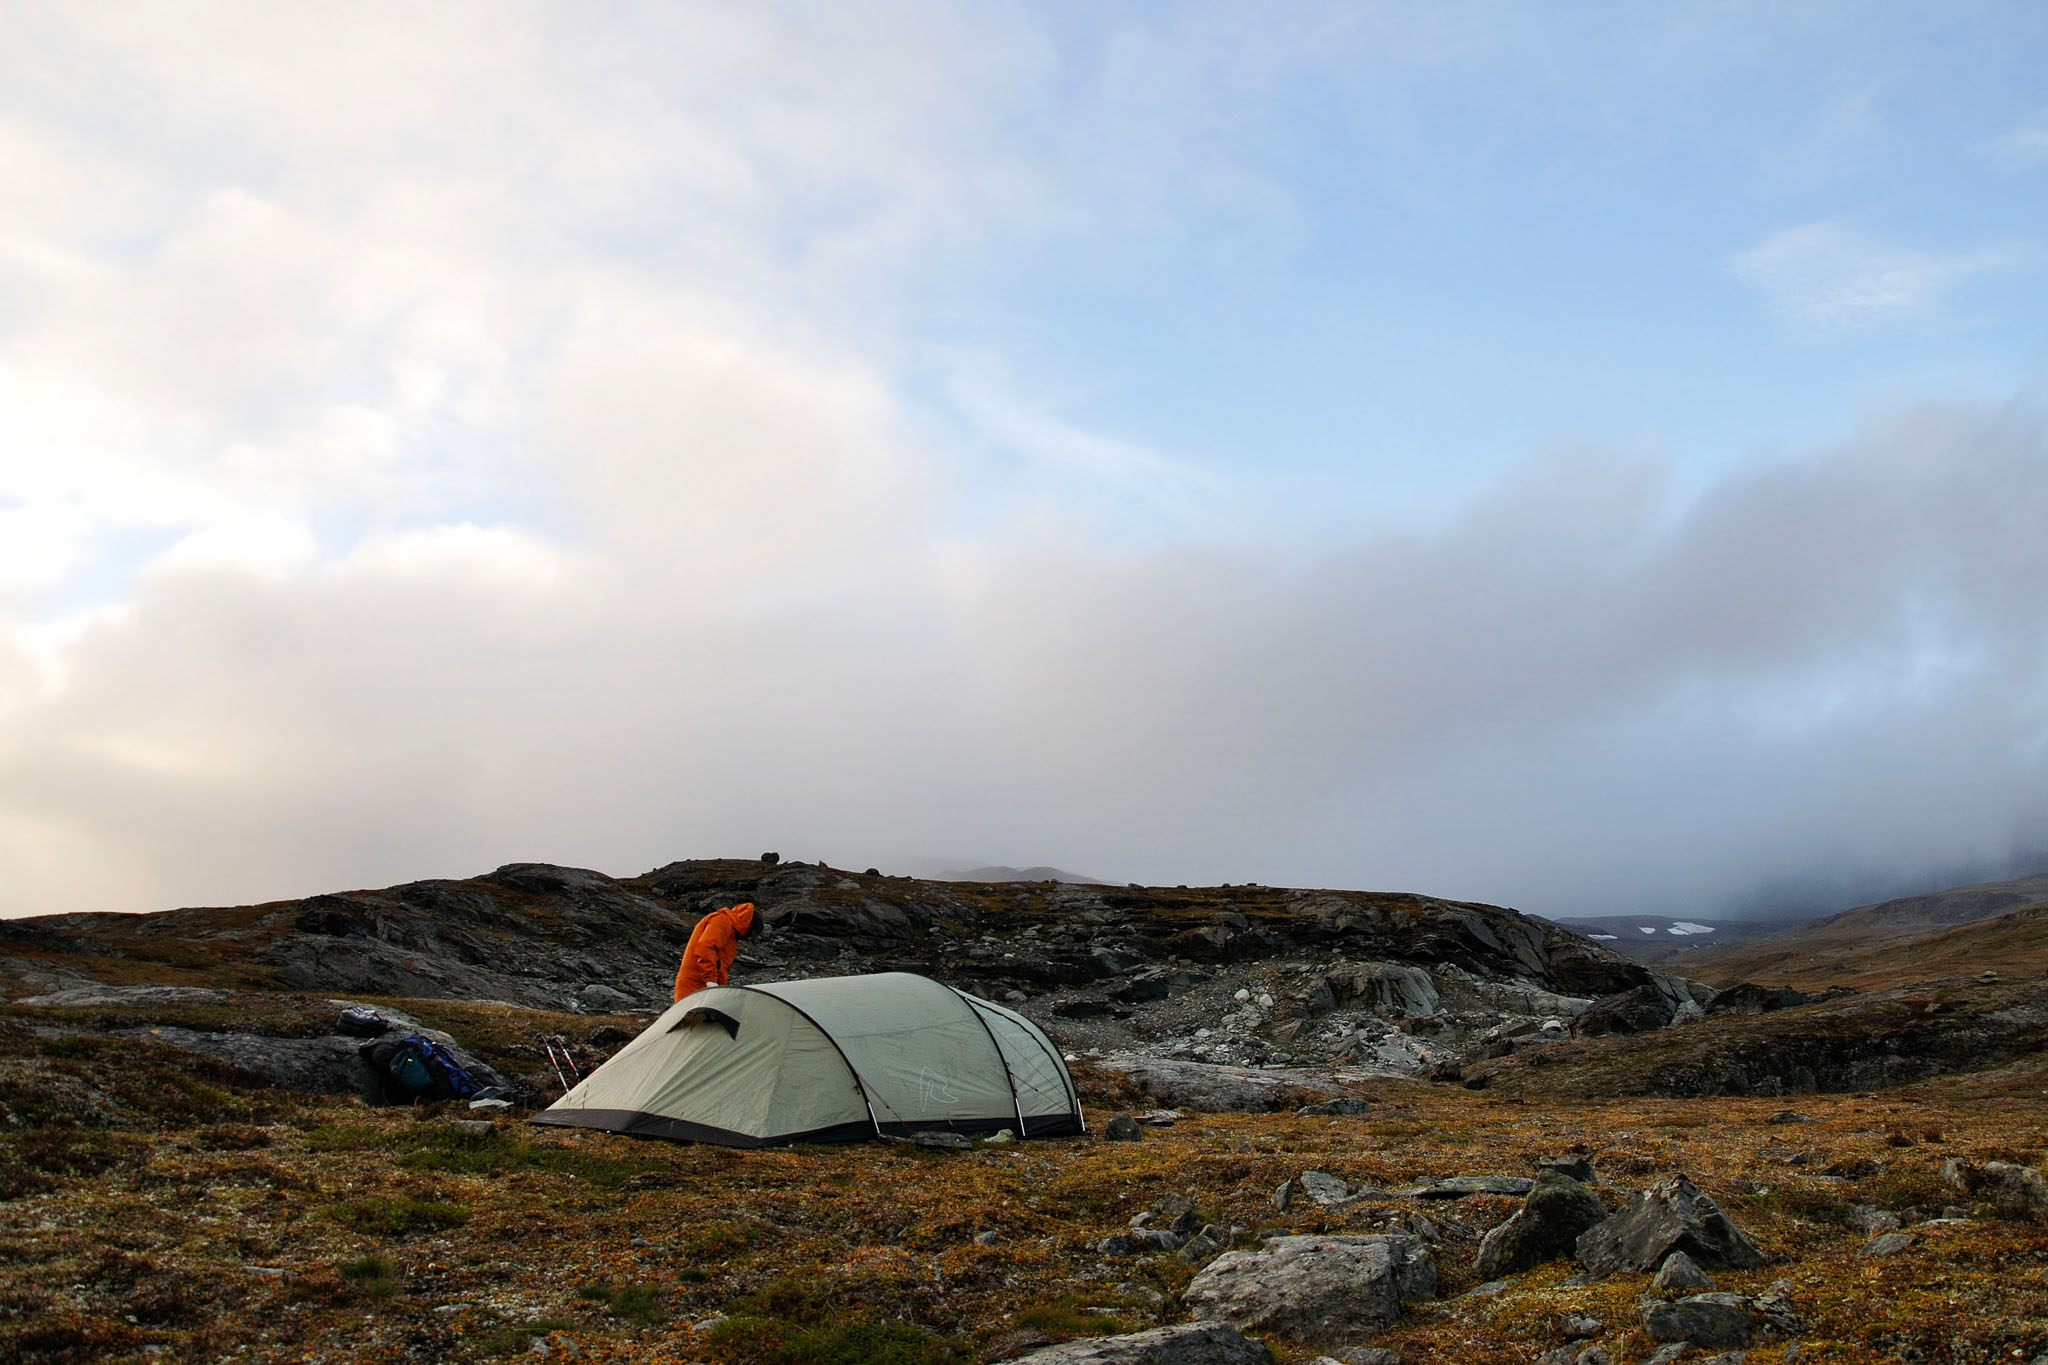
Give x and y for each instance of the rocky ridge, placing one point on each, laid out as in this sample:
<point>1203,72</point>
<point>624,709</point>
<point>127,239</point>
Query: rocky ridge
<point>1246,976</point>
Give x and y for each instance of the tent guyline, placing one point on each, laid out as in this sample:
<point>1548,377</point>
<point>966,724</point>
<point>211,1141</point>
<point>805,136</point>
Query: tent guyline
<point>829,1059</point>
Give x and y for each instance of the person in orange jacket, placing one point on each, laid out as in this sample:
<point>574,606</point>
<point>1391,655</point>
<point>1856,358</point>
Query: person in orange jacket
<point>707,959</point>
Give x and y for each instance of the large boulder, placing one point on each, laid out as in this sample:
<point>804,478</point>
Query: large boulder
<point>320,1066</point>
<point>1547,1226</point>
<point>1386,988</point>
<point>1672,1215</point>
<point>1328,1291</point>
<point>1634,1011</point>
<point>1187,1343</point>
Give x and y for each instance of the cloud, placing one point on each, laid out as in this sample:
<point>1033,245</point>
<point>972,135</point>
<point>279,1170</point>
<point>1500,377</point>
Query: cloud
<point>1561,702</point>
<point>1825,275</point>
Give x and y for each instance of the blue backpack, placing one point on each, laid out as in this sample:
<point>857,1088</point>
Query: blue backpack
<point>421,1066</point>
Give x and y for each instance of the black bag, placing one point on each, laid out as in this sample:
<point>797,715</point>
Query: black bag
<point>362,1023</point>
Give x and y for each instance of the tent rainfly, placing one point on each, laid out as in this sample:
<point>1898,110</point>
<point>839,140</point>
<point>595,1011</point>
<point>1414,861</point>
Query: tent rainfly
<point>834,1059</point>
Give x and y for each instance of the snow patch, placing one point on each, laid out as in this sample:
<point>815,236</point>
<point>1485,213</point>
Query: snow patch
<point>1688,927</point>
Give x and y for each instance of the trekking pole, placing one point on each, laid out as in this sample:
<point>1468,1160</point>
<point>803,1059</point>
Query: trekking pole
<point>567,1060</point>
<point>550,1046</point>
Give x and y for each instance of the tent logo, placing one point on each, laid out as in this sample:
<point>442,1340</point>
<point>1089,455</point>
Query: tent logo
<point>934,1088</point>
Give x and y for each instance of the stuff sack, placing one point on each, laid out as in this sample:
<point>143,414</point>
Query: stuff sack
<point>421,1068</point>
<point>362,1023</point>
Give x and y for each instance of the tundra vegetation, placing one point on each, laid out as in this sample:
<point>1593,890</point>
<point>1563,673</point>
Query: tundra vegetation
<point>157,1203</point>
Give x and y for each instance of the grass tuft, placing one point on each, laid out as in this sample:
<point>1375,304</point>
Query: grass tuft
<point>397,1215</point>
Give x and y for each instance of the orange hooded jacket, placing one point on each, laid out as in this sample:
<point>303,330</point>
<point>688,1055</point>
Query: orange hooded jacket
<point>707,960</point>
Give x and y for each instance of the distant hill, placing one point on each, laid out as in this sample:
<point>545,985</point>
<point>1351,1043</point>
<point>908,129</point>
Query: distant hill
<point>1023,874</point>
<point>1656,938</point>
<point>1885,939</point>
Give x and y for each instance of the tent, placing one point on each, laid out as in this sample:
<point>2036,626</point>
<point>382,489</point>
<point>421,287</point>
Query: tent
<point>828,1060</point>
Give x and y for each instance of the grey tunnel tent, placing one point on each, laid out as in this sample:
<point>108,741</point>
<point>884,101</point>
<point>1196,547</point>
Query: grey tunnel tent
<point>829,1060</point>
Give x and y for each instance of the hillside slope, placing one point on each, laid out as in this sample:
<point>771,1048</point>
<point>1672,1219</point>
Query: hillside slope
<point>1874,941</point>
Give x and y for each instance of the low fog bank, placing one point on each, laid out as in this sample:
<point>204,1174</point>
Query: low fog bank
<point>1581,696</point>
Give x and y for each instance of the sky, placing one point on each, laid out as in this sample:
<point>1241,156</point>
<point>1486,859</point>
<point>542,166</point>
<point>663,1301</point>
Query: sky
<point>1582,457</point>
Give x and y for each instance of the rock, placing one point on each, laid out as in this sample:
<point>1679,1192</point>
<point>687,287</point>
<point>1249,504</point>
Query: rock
<point>1593,1355</point>
<point>1680,1272</point>
<point>1672,1215</point>
<point>1887,1243</point>
<point>320,1066</point>
<point>1324,1188</point>
<point>1221,1089</point>
<point>1326,1291</point>
<point>1716,1320</point>
<point>771,858</point>
<point>1870,1220</point>
<point>476,1128</point>
<point>2009,1186</point>
<point>1385,988</point>
<point>1547,1226</point>
<point>1187,1343</point>
<point>1205,1244</point>
<point>1775,1304</point>
<point>1001,1137</point>
<point>939,1140</point>
<point>1749,998</point>
<point>1578,1327</point>
<point>986,1239</point>
<point>1350,1104</point>
<point>600,999</point>
<point>1283,1197</point>
<point>1459,1186</point>
<point>1369,1355</point>
<point>492,1105</point>
<point>1668,1352</point>
<point>1641,1010</point>
<point>1160,1118</point>
<point>1176,1213</point>
<point>1570,1167</point>
<point>1122,1128</point>
<point>130,995</point>
<point>1788,1116</point>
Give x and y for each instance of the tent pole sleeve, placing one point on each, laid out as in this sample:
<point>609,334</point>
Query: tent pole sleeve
<point>1001,1060</point>
<point>846,1061</point>
<point>1066,1075</point>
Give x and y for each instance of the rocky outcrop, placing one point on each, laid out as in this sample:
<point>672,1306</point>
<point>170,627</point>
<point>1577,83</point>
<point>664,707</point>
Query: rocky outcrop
<point>1388,989</point>
<point>1188,1343</point>
<point>1652,1005</point>
<point>2005,1185</point>
<point>1234,1089</point>
<point>1672,1215</point>
<point>1859,1043</point>
<point>1327,1291</point>
<point>320,1066</point>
